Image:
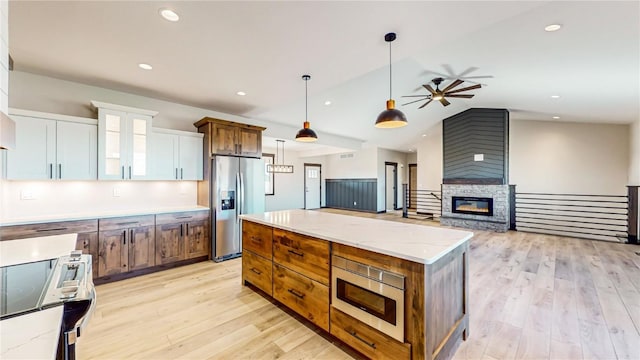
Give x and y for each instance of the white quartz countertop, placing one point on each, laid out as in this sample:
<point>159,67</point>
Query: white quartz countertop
<point>31,336</point>
<point>22,251</point>
<point>97,215</point>
<point>418,243</point>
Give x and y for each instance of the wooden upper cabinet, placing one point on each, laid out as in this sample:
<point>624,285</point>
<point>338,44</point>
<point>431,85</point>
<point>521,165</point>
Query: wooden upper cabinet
<point>229,138</point>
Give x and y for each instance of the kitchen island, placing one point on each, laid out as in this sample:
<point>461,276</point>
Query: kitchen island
<point>387,289</point>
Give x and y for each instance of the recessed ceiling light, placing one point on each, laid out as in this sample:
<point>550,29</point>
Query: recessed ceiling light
<point>328,102</point>
<point>556,117</point>
<point>169,15</point>
<point>241,93</point>
<point>145,66</point>
<point>424,135</point>
<point>555,96</point>
<point>552,27</point>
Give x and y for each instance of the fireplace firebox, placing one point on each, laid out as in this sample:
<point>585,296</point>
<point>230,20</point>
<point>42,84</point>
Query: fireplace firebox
<point>472,205</point>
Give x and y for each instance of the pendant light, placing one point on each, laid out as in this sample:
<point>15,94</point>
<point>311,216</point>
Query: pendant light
<point>306,134</point>
<point>280,168</point>
<point>392,117</point>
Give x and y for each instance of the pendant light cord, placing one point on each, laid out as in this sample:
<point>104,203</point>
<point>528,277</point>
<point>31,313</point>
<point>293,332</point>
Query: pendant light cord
<point>306,100</point>
<point>390,96</point>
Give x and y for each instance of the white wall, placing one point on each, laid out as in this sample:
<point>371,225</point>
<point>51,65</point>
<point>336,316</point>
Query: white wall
<point>574,158</point>
<point>52,198</point>
<point>634,153</point>
<point>363,165</point>
<point>430,159</point>
<point>400,158</point>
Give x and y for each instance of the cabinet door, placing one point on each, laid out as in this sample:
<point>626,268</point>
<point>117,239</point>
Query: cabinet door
<point>112,144</point>
<point>224,139</point>
<point>190,158</point>
<point>249,142</point>
<point>88,243</point>
<point>113,252</point>
<point>164,157</point>
<point>142,247</point>
<point>34,156</point>
<point>197,239</point>
<point>169,243</point>
<point>76,151</point>
<point>138,146</point>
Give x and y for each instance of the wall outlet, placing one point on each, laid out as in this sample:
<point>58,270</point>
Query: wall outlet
<point>116,191</point>
<point>27,195</point>
<point>478,157</point>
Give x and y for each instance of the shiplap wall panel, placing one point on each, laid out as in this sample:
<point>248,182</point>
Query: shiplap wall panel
<point>476,131</point>
<point>357,194</point>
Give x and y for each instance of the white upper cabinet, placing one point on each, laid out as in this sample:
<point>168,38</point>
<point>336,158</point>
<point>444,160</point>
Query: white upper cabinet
<point>123,142</point>
<point>176,155</point>
<point>51,146</point>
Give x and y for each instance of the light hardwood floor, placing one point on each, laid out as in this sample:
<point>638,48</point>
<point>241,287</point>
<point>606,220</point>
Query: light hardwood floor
<point>532,296</point>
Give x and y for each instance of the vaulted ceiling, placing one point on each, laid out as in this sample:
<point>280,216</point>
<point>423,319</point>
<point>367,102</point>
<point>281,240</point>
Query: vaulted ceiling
<point>263,48</point>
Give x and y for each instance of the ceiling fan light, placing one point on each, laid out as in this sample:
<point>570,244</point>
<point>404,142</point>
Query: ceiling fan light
<point>306,134</point>
<point>437,97</point>
<point>391,118</point>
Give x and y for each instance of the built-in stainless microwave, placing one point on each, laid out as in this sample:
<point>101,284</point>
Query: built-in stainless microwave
<point>369,294</point>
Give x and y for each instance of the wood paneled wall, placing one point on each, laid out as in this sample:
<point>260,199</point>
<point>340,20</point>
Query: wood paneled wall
<point>356,194</point>
<point>476,131</point>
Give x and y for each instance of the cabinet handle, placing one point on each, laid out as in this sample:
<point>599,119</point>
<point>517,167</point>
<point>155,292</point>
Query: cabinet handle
<point>296,293</point>
<point>50,171</point>
<point>240,148</point>
<point>296,253</point>
<point>59,171</point>
<point>129,172</point>
<point>256,271</point>
<point>181,232</point>
<point>123,172</point>
<point>181,177</point>
<point>124,237</point>
<point>132,240</point>
<point>355,335</point>
<point>187,226</point>
<point>256,240</point>
<point>176,173</point>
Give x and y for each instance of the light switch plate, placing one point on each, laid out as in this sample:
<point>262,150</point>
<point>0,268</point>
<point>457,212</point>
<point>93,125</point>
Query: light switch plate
<point>116,191</point>
<point>478,157</point>
<point>27,195</point>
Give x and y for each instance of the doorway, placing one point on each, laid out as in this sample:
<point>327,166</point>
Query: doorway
<point>312,186</point>
<point>413,185</point>
<point>391,185</point>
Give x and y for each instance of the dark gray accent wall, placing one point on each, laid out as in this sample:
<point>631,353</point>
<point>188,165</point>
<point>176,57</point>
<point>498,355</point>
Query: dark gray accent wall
<point>343,193</point>
<point>476,131</point>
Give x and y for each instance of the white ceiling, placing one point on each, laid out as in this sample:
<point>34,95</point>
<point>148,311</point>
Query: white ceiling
<point>263,48</point>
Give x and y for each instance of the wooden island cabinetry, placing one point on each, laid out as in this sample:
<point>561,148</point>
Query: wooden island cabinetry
<point>297,272</point>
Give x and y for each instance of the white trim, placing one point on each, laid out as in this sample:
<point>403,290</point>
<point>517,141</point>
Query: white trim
<point>177,132</point>
<point>51,116</point>
<point>99,104</point>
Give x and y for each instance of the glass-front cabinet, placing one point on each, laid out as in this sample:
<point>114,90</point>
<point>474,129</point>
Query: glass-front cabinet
<point>123,142</point>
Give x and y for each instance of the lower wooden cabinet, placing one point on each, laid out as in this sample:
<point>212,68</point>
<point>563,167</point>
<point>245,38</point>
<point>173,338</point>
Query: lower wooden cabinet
<point>181,236</point>
<point>365,339</point>
<point>257,271</point>
<point>125,244</point>
<point>88,243</point>
<point>307,297</point>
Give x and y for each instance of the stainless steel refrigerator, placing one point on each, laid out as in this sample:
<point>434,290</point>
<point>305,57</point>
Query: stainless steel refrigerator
<point>237,187</point>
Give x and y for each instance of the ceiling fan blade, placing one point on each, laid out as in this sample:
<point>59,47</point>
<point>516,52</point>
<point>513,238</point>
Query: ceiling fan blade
<point>477,86</point>
<point>444,102</point>
<point>452,85</point>
<point>425,104</point>
<point>465,96</point>
<point>426,96</point>
<point>469,70</point>
<point>414,101</point>
<point>430,89</point>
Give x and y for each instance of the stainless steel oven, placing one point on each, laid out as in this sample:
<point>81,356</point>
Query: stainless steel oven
<point>369,294</point>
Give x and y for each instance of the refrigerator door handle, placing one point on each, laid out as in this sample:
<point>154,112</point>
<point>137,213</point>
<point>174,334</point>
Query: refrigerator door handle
<point>242,193</point>
<point>239,189</point>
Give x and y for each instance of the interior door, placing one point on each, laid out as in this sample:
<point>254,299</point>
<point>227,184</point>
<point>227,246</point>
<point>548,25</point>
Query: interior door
<point>226,175</point>
<point>312,181</point>
<point>413,185</point>
<point>391,181</point>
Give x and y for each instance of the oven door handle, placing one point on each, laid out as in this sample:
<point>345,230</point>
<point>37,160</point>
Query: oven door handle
<point>355,335</point>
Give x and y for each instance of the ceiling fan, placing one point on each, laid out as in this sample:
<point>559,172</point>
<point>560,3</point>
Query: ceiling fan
<point>441,95</point>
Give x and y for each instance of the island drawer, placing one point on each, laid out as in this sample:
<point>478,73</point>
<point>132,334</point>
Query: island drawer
<point>178,217</point>
<point>46,229</point>
<point>257,238</point>
<point>365,339</point>
<point>304,254</point>
<point>307,297</point>
<point>257,271</point>
<point>126,222</point>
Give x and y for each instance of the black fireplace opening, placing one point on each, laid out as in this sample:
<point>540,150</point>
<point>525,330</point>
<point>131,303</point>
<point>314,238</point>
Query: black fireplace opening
<point>472,205</point>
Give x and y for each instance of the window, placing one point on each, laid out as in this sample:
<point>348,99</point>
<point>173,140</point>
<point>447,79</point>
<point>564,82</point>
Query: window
<point>268,177</point>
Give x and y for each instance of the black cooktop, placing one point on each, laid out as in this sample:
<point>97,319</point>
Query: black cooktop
<point>23,286</point>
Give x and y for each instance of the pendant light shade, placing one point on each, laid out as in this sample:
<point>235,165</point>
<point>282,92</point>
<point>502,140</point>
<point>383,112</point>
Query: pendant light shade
<point>392,117</point>
<point>306,134</point>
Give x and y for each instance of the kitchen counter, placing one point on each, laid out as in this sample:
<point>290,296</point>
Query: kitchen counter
<point>31,336</point>
<point>97,215</point>
<point>418,243</point>
<point>22,251</point>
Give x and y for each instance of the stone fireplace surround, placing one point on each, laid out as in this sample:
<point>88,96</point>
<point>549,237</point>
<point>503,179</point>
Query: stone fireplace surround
<point>498,222</point>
